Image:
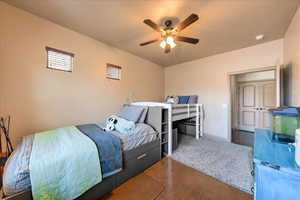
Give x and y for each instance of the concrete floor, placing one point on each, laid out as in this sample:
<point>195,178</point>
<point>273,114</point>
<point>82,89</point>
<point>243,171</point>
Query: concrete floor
<point>171,180</point>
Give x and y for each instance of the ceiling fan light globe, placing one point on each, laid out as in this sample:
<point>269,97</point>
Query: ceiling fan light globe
<point>172,45</point>
<point>163,44</point>
<point>170,40</point>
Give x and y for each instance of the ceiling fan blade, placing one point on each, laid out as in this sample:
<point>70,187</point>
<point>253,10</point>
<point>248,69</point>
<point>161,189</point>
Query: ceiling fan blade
<point>188,21</point>
<point>150,23</point>
<point>149,42</point>
<point>167,48</point>
<point>187,39</point>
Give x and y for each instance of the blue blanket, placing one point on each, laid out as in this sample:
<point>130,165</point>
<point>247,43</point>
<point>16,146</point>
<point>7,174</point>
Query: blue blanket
<point>109,148</point>
<point>64,164</point>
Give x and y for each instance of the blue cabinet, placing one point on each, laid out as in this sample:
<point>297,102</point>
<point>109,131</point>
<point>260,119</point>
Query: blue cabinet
<point>276,176</point>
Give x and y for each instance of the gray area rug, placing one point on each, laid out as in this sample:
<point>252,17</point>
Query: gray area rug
<point>224,161</point>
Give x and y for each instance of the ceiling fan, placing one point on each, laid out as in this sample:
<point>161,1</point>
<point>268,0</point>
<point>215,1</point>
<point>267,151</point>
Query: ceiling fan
<point>169,34</point>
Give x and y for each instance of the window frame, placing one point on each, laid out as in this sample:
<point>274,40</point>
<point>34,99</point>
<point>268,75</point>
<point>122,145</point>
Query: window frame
<point>114,66</point>
<point>62,52</point>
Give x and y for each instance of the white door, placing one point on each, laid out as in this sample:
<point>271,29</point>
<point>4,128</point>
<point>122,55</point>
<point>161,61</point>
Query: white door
<point>255,98</point>
<point>248,114</point>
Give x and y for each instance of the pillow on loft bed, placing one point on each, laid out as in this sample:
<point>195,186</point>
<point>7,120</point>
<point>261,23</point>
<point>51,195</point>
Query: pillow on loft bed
<point>183,99</point>
<point>131,113</point>
<point>193,99</point>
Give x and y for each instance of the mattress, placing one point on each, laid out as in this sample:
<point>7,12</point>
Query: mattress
<point>16,177</point>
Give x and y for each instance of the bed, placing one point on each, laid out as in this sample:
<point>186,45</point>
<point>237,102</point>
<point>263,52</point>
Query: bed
<point>138,155</point>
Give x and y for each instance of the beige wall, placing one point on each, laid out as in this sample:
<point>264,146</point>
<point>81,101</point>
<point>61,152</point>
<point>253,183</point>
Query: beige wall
<point>208,78</point>
<point>292,59</point>
<point>39,99</point>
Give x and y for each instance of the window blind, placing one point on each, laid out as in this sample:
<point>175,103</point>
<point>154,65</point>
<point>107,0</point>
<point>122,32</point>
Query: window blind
<point>113,72</point>
<point>60,60</point>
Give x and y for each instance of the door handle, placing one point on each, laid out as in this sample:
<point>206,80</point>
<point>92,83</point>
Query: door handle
<point>259,108</point>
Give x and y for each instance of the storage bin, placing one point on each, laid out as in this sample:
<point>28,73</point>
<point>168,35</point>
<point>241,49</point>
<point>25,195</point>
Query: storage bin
<point>187,128</point>
<point>285,121</point>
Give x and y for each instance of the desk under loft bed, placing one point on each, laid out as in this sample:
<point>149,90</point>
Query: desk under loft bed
<point>176,112</point>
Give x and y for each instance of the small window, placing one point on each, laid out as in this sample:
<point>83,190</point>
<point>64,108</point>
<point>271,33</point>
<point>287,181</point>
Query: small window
<point>59,60</point>
<point>113,71</point>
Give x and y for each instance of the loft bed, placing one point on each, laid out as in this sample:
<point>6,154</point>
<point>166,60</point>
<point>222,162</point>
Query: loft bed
<point>176,112</point>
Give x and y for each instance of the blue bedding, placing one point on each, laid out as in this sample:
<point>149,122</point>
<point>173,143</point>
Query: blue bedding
<point>109,148</point>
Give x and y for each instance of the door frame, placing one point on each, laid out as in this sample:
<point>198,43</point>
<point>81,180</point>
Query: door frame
<point>230,100</point>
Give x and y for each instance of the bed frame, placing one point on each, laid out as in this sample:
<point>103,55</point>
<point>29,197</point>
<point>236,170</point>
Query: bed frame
<point>176,112</point>
<point>135,161</point>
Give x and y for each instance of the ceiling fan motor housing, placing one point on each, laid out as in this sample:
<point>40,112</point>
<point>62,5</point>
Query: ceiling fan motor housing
<point>168,23</point>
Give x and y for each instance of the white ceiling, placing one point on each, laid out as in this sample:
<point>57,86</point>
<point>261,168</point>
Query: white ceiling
<point>224,25</point>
